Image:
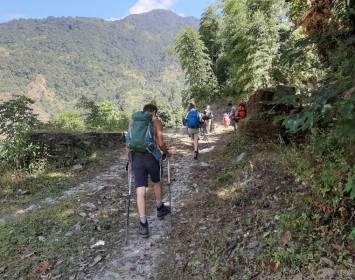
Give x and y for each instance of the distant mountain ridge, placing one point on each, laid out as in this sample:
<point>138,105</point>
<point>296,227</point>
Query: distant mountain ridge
<point>56,60</point>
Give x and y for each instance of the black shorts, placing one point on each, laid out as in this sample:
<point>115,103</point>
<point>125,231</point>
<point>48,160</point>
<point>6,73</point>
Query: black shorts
<point>145,164</point>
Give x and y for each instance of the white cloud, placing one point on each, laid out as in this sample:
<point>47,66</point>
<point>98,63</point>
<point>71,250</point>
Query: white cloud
<point>143,6</point>
<point>113,19</point>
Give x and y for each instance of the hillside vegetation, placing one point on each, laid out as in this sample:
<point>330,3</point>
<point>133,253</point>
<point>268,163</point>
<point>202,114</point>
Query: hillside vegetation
<point>57,60</point>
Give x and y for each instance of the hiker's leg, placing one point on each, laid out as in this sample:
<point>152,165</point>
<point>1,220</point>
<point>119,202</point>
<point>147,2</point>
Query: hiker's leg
<point>141,182</point>
<point>154,171</point>
<point>208,126</point>
<point>191,132</point>
<point>143,223</point>
<point>141,201</point>
<point>196,142</point>
<point>162,210</point>
<point>158,190</point>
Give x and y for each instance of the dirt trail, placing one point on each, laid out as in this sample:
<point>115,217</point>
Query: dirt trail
<point>137,259</point>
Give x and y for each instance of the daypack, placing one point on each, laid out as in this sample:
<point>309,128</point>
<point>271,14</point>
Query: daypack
<point>193,119</point>
<point>140,137</point>
<point>207,114</point>
<point>241,111</point>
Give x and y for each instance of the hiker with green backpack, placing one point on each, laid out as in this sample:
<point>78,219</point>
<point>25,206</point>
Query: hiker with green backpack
<point>146,144</point>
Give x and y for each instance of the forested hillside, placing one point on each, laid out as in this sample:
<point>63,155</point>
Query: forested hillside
<point>56,60</point>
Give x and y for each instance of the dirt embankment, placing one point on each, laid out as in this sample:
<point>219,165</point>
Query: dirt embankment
<point>249,216</point>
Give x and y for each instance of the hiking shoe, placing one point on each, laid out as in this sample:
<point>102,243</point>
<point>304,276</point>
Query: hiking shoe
<point>196,154</point>
<point>143,229</point>
<point>162,211</point>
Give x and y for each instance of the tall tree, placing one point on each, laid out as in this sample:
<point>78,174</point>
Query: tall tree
<point>251,33</point>
<point>210,27</point>
<point>197,66</point>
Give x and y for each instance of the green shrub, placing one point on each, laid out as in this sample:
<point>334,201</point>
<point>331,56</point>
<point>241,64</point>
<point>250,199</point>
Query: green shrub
<point>19,153</point>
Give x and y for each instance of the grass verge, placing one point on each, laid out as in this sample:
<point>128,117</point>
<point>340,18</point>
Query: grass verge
<point>56,239</point>
<point>257,217</point>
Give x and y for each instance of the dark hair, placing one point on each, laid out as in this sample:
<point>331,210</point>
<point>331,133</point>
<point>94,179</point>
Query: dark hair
<point>150,108</point>
<point>191,105</point>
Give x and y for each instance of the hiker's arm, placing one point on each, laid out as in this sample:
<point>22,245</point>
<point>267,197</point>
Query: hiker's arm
<point>127,149</point>
<point>159,133</point>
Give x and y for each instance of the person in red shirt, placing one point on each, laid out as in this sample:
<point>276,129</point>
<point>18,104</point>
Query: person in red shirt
<point>226,120</point>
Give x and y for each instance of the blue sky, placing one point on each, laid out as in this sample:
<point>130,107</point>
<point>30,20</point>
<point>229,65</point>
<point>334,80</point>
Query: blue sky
<point>104,9</point>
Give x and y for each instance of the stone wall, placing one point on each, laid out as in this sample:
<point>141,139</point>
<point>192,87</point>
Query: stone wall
<point>75,145</point>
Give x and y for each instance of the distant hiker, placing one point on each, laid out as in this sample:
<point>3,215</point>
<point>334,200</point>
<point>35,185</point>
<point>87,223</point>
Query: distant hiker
<point>226,120</point>
<point>208,118</point>
<point>145,141</point>
<point>241,111</point>
<point>233,110</point>
<point>193,121</point>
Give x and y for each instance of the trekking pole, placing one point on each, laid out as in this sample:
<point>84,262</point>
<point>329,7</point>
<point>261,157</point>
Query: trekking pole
<point>161,166</point>
<point>169,183</point>
<point>129,169</point>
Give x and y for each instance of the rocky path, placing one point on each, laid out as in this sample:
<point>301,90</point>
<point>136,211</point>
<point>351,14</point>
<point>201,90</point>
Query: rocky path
<point>136,259</point>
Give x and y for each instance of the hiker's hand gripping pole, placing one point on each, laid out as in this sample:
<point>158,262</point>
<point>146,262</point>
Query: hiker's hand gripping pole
<point>129,169</point>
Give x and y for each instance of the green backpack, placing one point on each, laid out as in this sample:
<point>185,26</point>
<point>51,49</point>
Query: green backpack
<point>140,138</point>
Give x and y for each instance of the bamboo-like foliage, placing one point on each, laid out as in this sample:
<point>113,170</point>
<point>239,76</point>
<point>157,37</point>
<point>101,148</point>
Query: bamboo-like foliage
<point>197,66</point>
<point>210,26</point>
<point>251,32</point>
